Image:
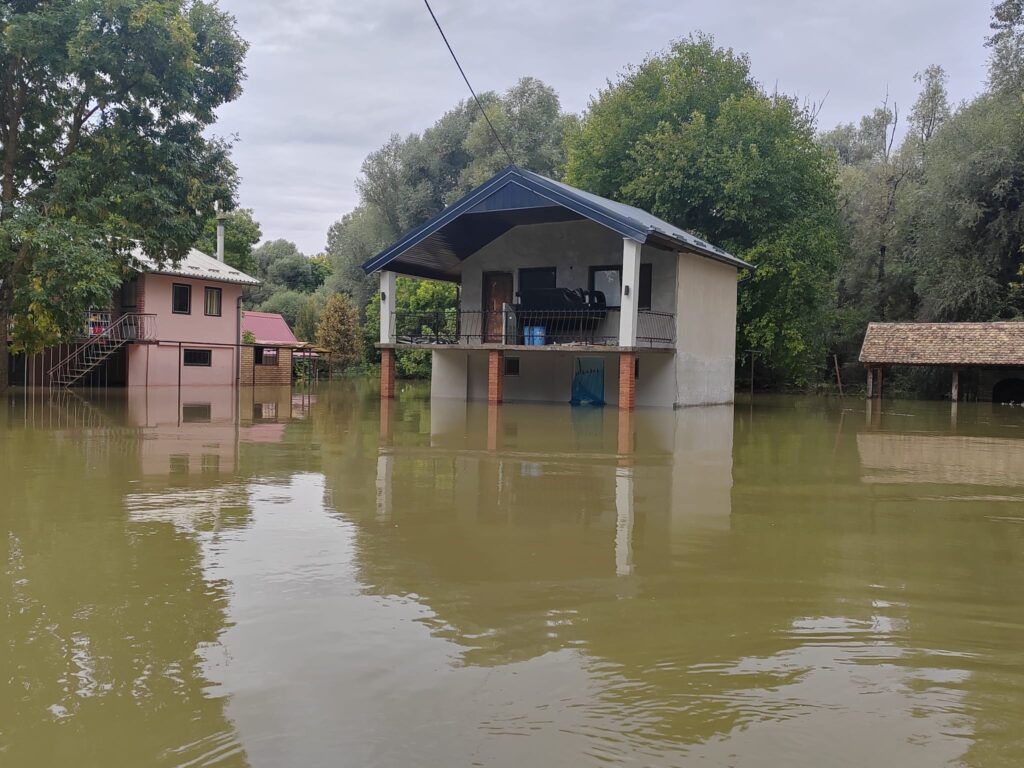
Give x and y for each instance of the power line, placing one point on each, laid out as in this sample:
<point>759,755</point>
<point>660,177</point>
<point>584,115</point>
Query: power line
<point>483,111</point>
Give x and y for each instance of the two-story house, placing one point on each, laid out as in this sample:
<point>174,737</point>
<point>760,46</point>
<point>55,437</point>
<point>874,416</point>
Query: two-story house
<point>169,325</point>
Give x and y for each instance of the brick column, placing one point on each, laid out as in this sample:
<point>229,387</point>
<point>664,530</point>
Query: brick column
<point>495,376</point>
<point>387,374</point>
<point>627,380</point>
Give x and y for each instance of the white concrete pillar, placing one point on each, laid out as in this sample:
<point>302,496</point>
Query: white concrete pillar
<point>630,292</point>
<point>387,307</point>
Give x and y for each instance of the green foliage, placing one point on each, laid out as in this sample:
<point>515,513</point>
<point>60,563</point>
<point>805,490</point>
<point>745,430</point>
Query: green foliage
<point>350,243</point>
<point>286,303</point>
<point>965,219</point>
<point>321,267</point>
<point>338,331</point>
<point>692,77</point>
<point>248,337</point>
<point>307,319</point>
<point>241,233</point>
<point>103,113</point>
<point>413,297</point>
<point>690,137</point>
<point>270,252</point>
<point>294,273</point>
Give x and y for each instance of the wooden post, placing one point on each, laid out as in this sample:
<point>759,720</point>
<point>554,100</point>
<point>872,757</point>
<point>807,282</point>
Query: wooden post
<point>627,380</point>
<point>495,376</point>
<point>871,383</point>
<point>880,372</point>
<point>954,395</point>
<point>839,378</point>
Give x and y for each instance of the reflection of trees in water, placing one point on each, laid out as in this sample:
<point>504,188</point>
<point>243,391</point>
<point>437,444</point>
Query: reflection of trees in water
<point>105,619</point>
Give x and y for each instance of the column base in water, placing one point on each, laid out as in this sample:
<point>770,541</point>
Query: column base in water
<point>627,380</point>
<point>387,374</point>
<point>495,376</point>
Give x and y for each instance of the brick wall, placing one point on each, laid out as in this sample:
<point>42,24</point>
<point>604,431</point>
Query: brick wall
<point>263,375</point>
<point>495,376</point>
<point>627,380</point>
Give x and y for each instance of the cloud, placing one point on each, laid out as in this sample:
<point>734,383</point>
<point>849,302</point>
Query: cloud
<point>330,80</point>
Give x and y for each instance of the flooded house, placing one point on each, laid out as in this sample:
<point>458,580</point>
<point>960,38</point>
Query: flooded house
<point>171,324</point>
<point>563,296</point>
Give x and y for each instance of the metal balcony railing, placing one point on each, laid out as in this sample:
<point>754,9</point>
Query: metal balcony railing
<point>512,326</point>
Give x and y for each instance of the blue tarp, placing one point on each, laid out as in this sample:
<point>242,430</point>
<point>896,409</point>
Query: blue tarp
<point>588,381</point>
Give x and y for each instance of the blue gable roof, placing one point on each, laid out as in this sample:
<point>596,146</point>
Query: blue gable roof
<point>515,197</point>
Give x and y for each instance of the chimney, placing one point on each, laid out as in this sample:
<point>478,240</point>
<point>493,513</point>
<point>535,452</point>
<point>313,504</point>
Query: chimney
<point>221,217</point>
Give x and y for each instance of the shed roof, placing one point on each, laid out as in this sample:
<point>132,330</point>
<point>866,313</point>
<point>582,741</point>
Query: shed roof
<point>197,265</point>
<point>268,328</point>
<point>957,344</point>
<point>513,197</point>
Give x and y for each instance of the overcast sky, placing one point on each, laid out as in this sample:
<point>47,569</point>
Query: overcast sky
<point>330,80</point>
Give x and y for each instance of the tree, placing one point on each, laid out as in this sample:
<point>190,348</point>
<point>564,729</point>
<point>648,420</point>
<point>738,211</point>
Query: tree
<point>529,120</point>
<point>286,303</point>
<point>321,268</point>
<point>350,243</point>
<point>293,272</point>
<point>241,233</point>
<point>690,137</point>
<point>931,109</point>
<point>692,77</point>
<point>103,113</point>
<point>272,251</point>
<point>338,331</point>
<point>1006,65</point>
<point>307,319</point>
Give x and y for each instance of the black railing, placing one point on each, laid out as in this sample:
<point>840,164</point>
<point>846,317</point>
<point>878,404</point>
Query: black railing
<point>530,327</point>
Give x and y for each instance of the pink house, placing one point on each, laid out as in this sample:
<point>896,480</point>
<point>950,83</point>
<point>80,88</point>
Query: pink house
<point>196,311</point>
<point>170,325</point>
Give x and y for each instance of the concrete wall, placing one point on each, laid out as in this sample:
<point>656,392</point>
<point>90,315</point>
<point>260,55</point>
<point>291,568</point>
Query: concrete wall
<point>546,377</point>
<point>705,331</point>
<point>449,375</point>
<point>158,364</point>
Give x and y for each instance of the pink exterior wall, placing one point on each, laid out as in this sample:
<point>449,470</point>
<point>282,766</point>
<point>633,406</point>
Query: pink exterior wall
<point>158,364</point>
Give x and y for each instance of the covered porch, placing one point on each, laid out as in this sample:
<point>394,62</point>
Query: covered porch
<point>546,270</point>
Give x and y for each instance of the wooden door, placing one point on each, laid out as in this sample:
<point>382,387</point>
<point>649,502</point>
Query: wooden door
<point>497,292</point>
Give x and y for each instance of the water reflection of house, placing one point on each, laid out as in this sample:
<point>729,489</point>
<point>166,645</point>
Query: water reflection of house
<point>971,461</point>
<point>193,436</point>
<point>554,501</point>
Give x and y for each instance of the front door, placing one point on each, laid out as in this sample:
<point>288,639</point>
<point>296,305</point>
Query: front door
<point>497,293</point>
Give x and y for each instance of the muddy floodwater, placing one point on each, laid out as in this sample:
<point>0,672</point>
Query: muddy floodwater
<point>300,578</point>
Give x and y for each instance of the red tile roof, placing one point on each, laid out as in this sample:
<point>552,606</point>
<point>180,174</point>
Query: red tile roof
<point>956,344</point>
<point>268,328</point>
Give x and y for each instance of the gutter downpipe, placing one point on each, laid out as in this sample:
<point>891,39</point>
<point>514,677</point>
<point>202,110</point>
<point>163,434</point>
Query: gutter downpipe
<point>238,341</point>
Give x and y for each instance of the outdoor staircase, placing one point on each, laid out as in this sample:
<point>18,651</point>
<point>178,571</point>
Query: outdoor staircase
<point>100,346</point>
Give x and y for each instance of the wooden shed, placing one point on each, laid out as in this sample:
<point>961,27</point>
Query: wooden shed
<point>995,350</point>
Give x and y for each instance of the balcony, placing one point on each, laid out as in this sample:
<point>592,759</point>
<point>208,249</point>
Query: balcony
<point>512,327</point>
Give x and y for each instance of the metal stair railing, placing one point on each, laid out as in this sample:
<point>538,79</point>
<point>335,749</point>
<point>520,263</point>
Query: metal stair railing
<point>98,348</point>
